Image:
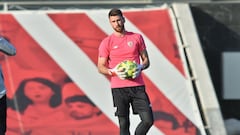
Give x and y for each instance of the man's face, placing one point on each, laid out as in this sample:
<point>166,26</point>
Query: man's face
<point>117,23</point>
<point>81,110</point>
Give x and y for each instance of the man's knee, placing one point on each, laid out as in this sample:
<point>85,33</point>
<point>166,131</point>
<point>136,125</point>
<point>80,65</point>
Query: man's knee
<point>147,119</point>
<point>124,122</point>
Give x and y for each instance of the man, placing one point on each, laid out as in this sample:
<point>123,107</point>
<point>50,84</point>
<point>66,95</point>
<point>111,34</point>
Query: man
<point>8,49</point>
<point>119,46</point>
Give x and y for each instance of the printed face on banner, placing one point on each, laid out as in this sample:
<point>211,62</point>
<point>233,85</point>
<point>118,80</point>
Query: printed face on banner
<point>46,81</point>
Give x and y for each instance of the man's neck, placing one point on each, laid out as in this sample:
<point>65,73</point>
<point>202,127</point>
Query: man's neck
<point>120,34</point>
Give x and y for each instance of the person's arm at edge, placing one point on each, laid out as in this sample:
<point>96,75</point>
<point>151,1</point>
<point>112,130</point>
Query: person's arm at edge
<point>6,47</point>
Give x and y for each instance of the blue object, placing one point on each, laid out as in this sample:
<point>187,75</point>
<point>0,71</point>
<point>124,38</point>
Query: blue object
<point>8,49</point>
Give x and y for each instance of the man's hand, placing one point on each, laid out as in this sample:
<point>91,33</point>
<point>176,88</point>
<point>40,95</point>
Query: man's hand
<point>121,73</point>
<point>137,71</point>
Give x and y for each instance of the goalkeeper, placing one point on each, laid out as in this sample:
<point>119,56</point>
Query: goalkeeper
<point>117,47</point>
<point>8,49</point>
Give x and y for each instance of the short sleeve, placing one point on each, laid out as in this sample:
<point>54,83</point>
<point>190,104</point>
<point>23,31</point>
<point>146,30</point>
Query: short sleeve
<point>104,48</point>
<point>142,45</point>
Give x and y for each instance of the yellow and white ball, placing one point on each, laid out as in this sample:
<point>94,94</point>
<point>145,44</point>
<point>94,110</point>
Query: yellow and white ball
<point>128,66</point>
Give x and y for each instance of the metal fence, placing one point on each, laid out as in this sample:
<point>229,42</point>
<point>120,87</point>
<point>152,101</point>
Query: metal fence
<point>6,5</point>
<point>9,5</point>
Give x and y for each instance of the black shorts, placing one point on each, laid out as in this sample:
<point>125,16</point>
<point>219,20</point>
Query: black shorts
<point>134,96</point>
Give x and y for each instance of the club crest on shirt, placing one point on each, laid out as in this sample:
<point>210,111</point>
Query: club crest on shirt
<point>130,43</point>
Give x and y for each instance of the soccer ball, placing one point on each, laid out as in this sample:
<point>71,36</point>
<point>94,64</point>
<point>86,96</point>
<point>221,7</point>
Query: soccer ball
<point>129,67</point>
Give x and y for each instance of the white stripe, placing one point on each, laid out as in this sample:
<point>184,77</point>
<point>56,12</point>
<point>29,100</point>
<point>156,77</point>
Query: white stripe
<point>196,110</point>
<point>72,59</point>
<point>161,72</point>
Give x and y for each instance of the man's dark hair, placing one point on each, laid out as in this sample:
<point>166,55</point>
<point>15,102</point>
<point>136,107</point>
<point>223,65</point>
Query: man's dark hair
<point>78,98</point>
<point>115,12</point>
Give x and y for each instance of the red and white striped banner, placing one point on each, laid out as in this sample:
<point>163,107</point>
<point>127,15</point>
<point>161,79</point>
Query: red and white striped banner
<point>63,45</point>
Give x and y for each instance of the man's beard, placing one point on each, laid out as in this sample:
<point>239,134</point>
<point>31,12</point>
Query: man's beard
<point>119,29</point>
